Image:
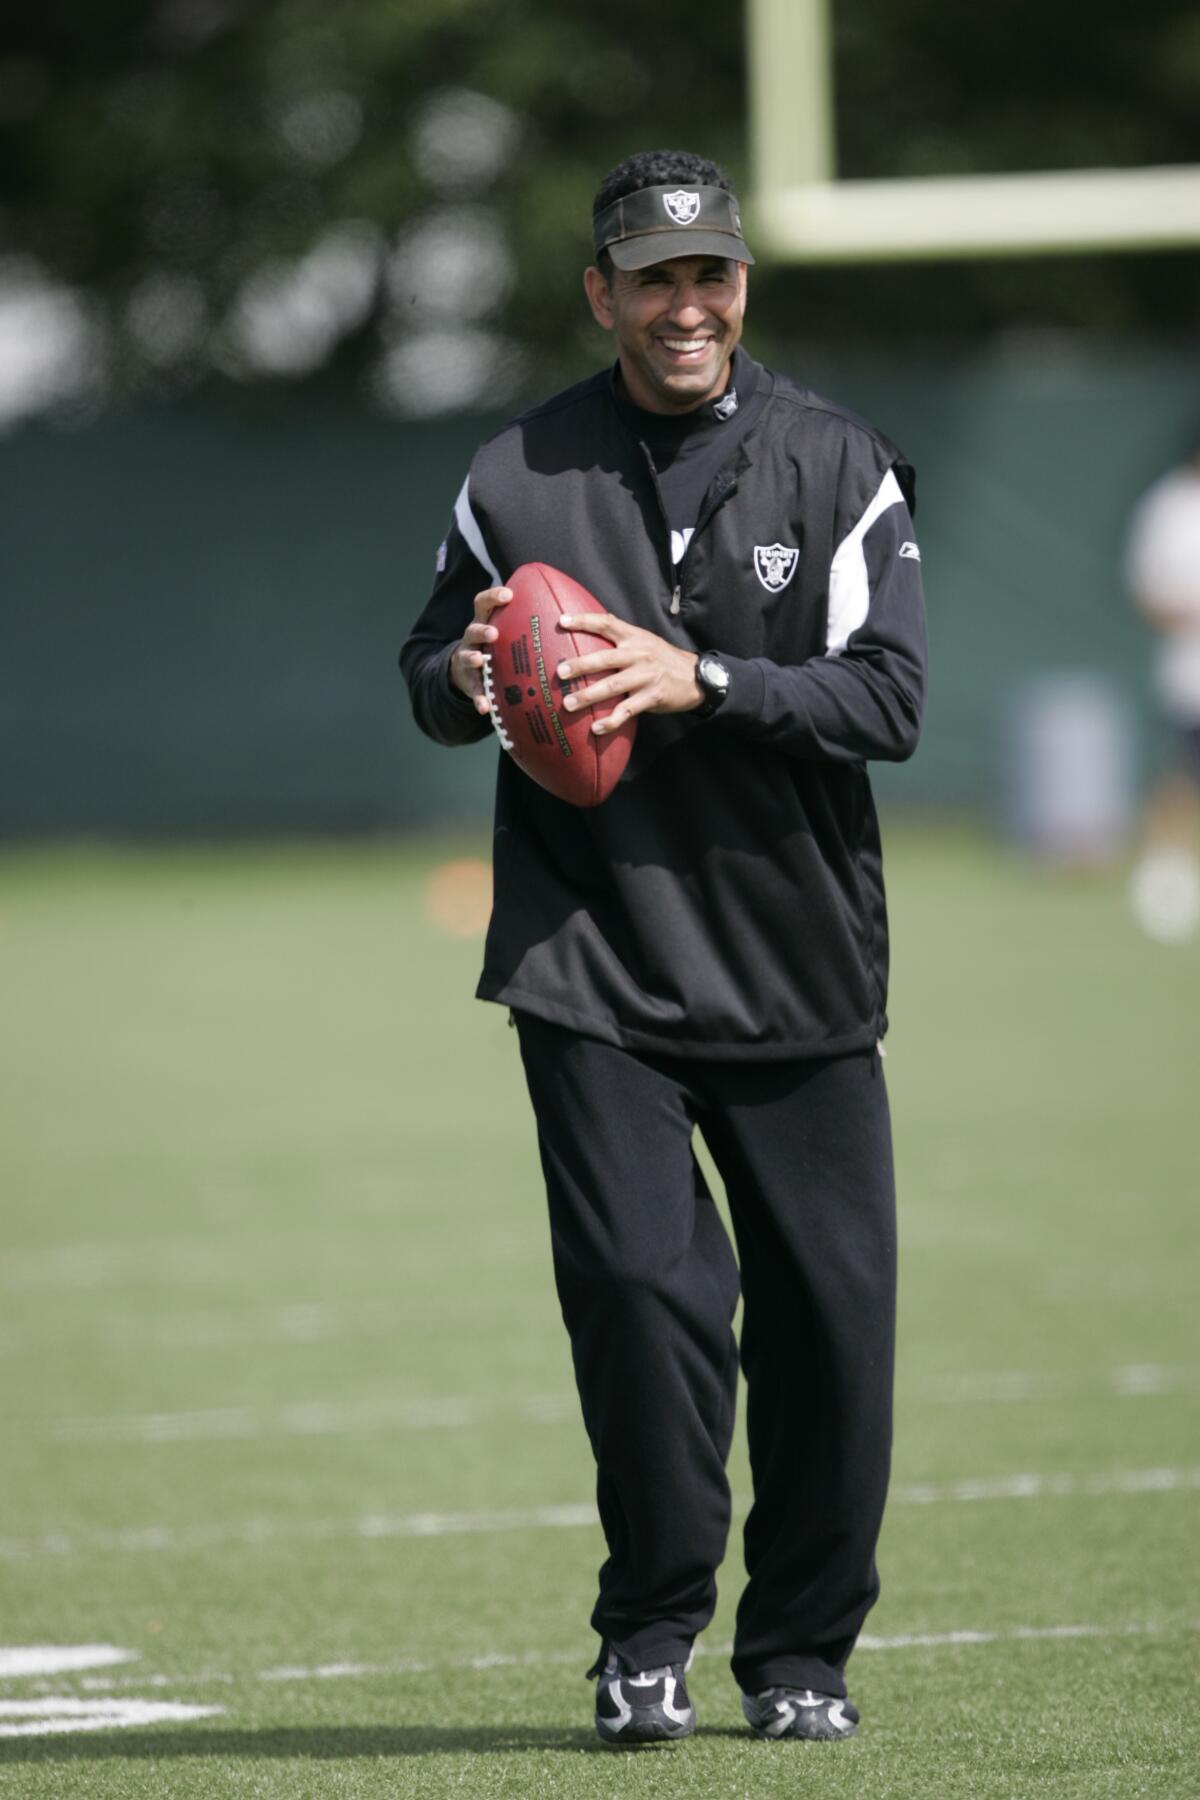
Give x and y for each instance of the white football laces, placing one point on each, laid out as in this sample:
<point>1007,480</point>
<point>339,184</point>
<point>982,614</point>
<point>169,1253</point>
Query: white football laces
<point>490,692</point>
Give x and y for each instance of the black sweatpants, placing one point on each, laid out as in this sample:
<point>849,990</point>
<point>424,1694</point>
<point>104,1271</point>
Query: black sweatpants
<point>648,1285</point>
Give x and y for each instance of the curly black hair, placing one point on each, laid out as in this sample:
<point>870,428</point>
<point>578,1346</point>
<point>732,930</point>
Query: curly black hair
<point>658,168</point>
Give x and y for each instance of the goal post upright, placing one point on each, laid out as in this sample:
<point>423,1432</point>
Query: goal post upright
<point>791,94</point>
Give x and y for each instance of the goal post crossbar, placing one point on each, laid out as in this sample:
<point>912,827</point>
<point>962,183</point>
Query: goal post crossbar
<point>803,213</point>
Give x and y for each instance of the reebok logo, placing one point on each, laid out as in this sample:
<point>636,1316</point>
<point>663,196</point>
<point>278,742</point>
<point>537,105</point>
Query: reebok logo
<point>908,548</point>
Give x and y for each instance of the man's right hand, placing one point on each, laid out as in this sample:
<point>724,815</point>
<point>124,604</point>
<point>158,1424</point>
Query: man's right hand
<point>466,664</point>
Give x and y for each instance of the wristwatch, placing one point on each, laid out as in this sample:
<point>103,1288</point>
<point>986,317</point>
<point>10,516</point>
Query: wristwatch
<point>712,678</point>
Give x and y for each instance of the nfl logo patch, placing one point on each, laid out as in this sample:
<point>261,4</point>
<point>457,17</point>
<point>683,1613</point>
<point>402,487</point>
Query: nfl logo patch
<point>775,564</point>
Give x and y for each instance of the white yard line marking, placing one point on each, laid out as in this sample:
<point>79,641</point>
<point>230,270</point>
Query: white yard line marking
<point>314,1418</point>
<point>298,1322</point>
<point>310,1418</point>
<point>1036,1487</point>
<point>180,1262</point>
<point>260,1531</point>
<point>41,1718</point>
<point>301,1322</point>
<point>347,1670</point>
<point>386,1525</point>
<point>1132,1381</point>
<point>938,1640</point>
<point>54,1659</point>
<point>573,1515</point>
<point>1139,1379</point>
<point>905,1641</point>
<point>69,1267</point>
<point>185,1262</point>
<point>1159,1282</point>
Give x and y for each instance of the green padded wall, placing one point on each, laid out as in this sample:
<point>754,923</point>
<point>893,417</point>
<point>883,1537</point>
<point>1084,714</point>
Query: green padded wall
<point>201,609</point>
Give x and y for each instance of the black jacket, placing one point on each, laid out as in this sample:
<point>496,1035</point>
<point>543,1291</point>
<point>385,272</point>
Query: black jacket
<point>727,901</point>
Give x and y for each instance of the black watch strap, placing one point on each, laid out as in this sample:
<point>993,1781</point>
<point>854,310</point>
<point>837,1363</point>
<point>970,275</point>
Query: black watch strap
<point>712,678</point>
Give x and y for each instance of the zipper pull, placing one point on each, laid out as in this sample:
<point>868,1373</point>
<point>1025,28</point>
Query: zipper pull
<point>675,601</point>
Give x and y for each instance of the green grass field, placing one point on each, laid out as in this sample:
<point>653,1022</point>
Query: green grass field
<point>287,1408</point>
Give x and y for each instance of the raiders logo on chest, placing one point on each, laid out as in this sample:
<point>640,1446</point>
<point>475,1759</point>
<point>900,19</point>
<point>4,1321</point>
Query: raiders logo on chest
<point>775,564</point>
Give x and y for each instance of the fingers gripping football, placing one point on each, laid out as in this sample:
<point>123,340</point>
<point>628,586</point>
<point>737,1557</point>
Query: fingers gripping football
<point>466,661</point>
<point>641,672</point>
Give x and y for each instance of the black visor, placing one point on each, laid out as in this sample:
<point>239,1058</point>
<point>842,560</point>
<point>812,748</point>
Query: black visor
<point>657,223</point>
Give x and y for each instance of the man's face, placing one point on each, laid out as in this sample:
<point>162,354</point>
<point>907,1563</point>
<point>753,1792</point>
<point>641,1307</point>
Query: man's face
<point>677,325</point>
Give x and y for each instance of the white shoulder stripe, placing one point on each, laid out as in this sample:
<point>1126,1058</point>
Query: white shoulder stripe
<point>468,524</point>
<point>849,589</point>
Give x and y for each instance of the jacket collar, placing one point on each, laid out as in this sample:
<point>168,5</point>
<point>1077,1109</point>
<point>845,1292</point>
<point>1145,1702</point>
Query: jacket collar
<point>746,378</point>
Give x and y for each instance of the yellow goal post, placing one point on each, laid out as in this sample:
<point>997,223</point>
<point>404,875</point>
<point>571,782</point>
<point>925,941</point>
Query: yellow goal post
<point>803,213</point>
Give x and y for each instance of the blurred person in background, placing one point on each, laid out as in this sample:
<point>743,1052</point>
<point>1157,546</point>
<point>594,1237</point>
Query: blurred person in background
<point>1163,573</point>
<point>707,948</point>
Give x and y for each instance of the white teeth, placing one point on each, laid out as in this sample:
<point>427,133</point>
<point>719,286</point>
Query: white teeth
<point>685,343</point>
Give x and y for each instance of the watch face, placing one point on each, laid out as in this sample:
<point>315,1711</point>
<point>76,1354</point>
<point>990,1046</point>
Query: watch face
<point>713,678</point>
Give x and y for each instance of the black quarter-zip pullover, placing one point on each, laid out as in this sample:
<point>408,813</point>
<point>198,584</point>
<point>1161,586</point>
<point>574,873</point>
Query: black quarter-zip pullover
<point>687,450</point>
<point>727,901</point>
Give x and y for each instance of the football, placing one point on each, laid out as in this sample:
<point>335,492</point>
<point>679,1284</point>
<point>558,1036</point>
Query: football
<point>557,749</point>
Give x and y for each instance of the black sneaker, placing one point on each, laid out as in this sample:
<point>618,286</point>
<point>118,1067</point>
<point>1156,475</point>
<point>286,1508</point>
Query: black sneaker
<point>784,1712</point>
<point>650,1707</point>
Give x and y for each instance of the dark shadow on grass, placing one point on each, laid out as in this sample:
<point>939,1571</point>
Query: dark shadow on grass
<point>327,1743</point>
<point>322,1743</point>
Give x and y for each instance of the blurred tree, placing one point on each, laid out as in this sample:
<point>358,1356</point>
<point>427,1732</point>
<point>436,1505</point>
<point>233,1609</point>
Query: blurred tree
<point>393,194</point>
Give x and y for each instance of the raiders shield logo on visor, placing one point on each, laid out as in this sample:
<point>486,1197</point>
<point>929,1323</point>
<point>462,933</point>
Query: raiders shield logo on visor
<point>682,206</point>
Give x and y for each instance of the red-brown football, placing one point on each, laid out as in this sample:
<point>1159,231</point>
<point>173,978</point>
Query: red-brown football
<point>558,749</point>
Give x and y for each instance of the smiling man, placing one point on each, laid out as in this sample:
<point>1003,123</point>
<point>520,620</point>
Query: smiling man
<point>677,320</point>
<point>708,949</point>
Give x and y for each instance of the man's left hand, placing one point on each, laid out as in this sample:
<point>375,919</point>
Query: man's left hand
<point>640,671</point>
